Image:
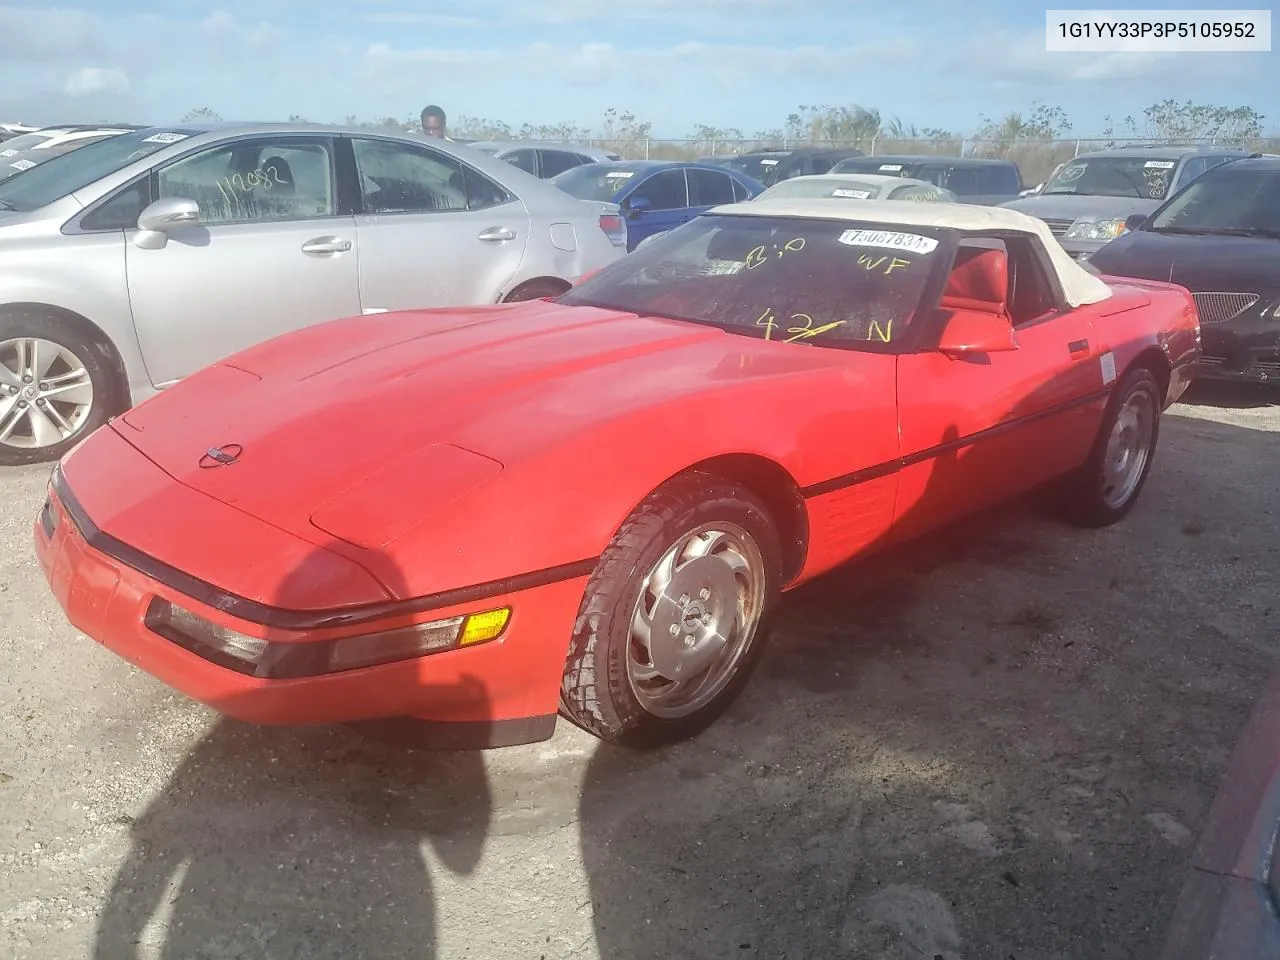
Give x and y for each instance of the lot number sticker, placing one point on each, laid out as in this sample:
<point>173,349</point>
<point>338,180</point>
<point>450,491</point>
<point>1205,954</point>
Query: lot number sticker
<point>891,166</point>
<point>165,138</point>
<point>769,163</point>
<point>22,164</point>
<point>890,239</point>
<point>855,194</point>
<point>1160,164</point>
<point>1108,367</point>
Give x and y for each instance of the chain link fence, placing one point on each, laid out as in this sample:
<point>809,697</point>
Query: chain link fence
<point>1035,158</point>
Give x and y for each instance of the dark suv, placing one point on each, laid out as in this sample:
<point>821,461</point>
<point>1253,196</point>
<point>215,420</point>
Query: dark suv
<point>980,180</point>
<point>770,166</point>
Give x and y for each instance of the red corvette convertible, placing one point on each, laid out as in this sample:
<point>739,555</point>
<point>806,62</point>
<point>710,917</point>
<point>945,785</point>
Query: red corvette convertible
<point>469,521</point>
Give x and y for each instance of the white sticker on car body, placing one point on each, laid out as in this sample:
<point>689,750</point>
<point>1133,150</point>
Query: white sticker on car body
<point>890,239</point>
<point>1108,361</point>
<point>1160,164</point>
<point>620,174</point>
<point>22,164</point>
<point>769,163</point>
<point>855,194</point>
<point>7,153</point>
<point>165,138</point>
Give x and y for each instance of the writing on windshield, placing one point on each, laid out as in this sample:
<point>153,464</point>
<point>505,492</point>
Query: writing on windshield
<point>1145,177</point>
<point>1226,200</point>
<point>791,280</point>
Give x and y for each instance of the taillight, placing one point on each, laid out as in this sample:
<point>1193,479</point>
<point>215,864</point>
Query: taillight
<point>615,228</point>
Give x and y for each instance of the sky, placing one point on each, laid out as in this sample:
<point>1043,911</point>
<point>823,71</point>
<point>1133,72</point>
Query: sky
<point>676,63</point>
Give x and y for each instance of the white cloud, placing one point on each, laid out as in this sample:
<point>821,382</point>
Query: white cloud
<point>94,80</point>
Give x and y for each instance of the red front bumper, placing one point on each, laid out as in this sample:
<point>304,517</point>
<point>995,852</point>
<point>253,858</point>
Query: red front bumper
<point>513,678</point>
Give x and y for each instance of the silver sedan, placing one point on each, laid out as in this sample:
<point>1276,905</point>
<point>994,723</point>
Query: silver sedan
<point>857,186</point>
<point>132,262</point>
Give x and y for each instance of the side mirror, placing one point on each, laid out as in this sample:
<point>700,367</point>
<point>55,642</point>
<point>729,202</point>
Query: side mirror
<point>636,206</point>
<point>1134,221</point>
<point>969,332</point>
<point>161,216</point>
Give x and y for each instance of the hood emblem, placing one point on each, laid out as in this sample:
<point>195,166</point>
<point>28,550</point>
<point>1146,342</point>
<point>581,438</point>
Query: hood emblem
<point>221,456</point>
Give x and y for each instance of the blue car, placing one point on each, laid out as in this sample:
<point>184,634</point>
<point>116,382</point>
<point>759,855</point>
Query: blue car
<point>656,195</point>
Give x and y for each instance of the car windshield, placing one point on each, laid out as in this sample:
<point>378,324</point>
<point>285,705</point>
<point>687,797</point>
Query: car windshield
<point>1224,201</point>
<point>76,169</point>
<point>1146,177</point>
<point>821,187</point>
<point>886,167</point>
<point>825,282</point>
<point>759,167</point>
<point>9,166</point>
<point>594,181</point>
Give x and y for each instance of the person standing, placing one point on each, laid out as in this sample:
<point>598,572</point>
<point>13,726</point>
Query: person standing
<point>433,122</point>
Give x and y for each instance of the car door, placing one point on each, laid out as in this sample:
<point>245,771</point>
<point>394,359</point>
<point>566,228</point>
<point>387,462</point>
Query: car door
<point>552,162</point>
<point>981,429</point>
<point>667,196</point>
<point>707,189</point>
<point>433,231</point>
<point>525,158</point>
<point>272,252</point>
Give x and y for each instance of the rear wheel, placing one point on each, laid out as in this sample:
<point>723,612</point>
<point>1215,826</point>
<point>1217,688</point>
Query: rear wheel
<point>676,615</point>
<point>55,387</point>
<point>1107,487</point>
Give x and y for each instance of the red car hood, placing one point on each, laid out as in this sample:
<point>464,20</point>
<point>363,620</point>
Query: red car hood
<point>433,399</point>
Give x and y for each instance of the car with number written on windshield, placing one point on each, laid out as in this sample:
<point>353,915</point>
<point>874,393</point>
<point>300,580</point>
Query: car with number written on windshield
<point>598,498</point>
<point>981,180</point>
<point>133,261</point>
<point>1220,238</point>
<point>1088,199</point>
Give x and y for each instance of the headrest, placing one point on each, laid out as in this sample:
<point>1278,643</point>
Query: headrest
<point>979,280</point>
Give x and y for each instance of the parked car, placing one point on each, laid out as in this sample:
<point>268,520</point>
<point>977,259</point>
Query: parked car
<point>35,138</point>
<point>772,166</point>
<point>55,147</point>
<point>10,130</point>
<point>1087,201</point>
<point>857,186</point>
<point>544,160</point>
<point>657,195</point>
<point>477,517</point>
<point>1220,238</point>
<point>129,263</point>
<point>981,180</point>
<point>1229,905</point>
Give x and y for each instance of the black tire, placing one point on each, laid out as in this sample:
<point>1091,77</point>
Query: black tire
<point>596,693</point>
<point>1084,492</point>
<point>535,290</point>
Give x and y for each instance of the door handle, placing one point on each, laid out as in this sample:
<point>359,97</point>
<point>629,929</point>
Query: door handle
<point>1077,347</point>
<point>326,245</point>
<point>496,234</point>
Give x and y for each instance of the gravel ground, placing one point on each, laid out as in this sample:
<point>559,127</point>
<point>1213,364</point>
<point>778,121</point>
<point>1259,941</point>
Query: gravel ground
<point>998,745</point>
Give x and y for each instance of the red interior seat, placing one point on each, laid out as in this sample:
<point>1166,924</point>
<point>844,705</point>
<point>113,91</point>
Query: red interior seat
<point>978,281</point>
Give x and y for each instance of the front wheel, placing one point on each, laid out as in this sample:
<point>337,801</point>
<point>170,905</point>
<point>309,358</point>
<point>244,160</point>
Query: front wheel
<point>1106,488</point>
<point>676,615</point>
<point>55,388</point>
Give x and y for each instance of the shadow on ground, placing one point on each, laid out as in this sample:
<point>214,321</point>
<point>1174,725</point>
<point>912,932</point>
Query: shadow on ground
<point>996,744</point>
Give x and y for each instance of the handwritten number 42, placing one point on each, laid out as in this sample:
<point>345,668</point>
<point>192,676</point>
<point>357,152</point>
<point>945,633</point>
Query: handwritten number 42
<point>770,323</point>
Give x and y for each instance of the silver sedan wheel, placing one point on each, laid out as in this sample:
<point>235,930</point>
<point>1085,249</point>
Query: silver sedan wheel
<point>46,394</point>
<point>1128,449</point>
<point>696,616</point>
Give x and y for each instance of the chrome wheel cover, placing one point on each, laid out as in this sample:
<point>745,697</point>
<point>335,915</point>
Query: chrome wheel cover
<point>1128,448</point>
<point>696,616</point>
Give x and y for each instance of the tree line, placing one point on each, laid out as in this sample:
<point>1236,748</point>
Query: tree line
<point>1032,137</point>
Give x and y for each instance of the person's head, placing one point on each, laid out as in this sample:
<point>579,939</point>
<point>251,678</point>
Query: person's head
<point>433,121</point>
